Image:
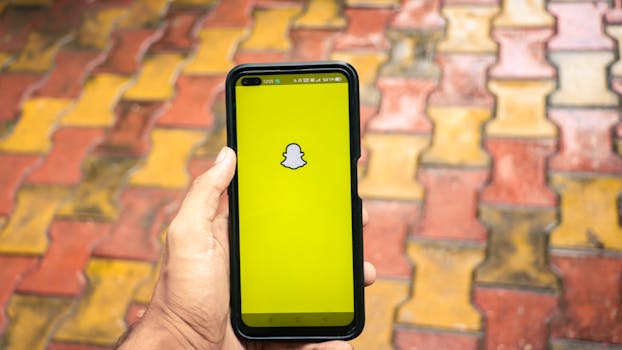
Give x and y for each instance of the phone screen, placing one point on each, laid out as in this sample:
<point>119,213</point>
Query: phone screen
<point>294,200</point>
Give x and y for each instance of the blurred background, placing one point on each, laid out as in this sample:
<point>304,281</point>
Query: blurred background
<point>491,163</point>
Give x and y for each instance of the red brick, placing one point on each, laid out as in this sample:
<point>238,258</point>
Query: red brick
<point>450,204</point>
<point>515,319</point>
<point>16,87</point>
<point>522,53</point>
<point>64,163</point>
<point>402,106</point>
<point>71,68</point>
<point>68,346</point>
<point>365,29</point>
<point>15,26</point>
<point>418,15</point>
<point>14,168</point>
<point>63,16</point>
<point>259,57</point>
<point>198,166</point>
<point>134,313</point>
<point>614,16</point>
<point>12,271</point>
<point>192,104</point>
<point>519,173</point>
<point>311,44</point>
<point>231,13</point>
<point>141,220</point>
<point>579,26</point>
<point>591,308</point>
<point>131,131</point>
<point>178,34</point>
<point>463,81</point>
<point>367,113</point>
<point>60,271</point>
<point>128,49</point>
<point>385,236</point>
<point>419,339</point>
<point>586,140</point>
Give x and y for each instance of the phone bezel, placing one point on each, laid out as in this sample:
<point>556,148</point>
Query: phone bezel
<point>298,333</point>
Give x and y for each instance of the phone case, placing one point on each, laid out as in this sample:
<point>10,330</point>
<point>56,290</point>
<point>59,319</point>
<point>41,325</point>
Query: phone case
<point>297,333</point>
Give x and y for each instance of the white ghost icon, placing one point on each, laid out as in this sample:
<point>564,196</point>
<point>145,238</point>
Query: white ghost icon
<point>293,157</point>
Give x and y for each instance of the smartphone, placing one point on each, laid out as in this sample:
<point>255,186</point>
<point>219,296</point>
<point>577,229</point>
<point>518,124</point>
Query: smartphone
<point>295,220</point>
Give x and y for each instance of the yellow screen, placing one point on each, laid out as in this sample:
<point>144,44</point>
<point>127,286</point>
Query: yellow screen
<point>295,220</point>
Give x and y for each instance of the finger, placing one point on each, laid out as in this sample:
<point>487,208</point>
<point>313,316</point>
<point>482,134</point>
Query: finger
<point>369,273</point>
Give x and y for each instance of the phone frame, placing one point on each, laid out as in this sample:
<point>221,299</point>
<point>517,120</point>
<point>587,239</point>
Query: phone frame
<point>298,333</point>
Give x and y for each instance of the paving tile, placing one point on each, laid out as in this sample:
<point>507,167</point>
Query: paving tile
<point>144,13</point>
<point>96,196</point>
<point>311,44</point>
<point>521,109</point>
<point>515,318</point>
<point>63,164</point>
<point>590,303</point>
<point>366,65</point>
<point>69,346</point>
<point>380,302</point>
<point>579,26</point>
<point>134,235</point>
<point>524,14</point>
<point>418,15</point>
<point>270,29</point>
<point>373,3</point>
<point>450,204</point>
<point>16,25</point>
<point>15,168</point>
<point>385,236</point>
<point>322,14</point>
<point>463,82</point>
<point>165,166</point>
<point>522,54</point>
<point>156,78</point>
<point>402,105</point>
<point>216,136</point>
<point>22,85</point>
<point>32,132</point>
<point>420,339</point>
<point>615,31</point>
<point>95,106</point>
<point>32,321</point>
<point>26,230</point>
<point>457,136</point>
<point>178,35</point>
<point>129,46</point>
<point>13,269</point>
<point>243,57</point>
<point>192,102</point>
<point>71,68</point>
<point>5,58</point>
<point>412,54</point>
<point>365,29</point>
<point>468,29</point>
<point>38,54</point>
<point>98,319</point>
<point>214,54</point>
<point>586,140</point>
<point>97,27</point>
<point>589,212</point>
<point>519,172</point>
<point>144,292</point>
<point>441,286</point>
<point>571,344</point>
<point>231,13</point>
<point>392,165</point>
<point>60,270</point>
<point>583,79</point>
<point>517,254</point>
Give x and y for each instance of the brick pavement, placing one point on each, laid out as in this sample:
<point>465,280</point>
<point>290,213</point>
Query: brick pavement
<point>491,170</point>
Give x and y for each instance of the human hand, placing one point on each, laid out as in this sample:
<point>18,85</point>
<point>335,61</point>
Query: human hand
<point>190,305</point>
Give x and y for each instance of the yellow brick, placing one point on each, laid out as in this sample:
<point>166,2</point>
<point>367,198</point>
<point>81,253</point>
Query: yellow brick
<point>517,249</point>
<point>524,13</point>
<point>589,212</point>
<point>3,5</point>
<point>468,29</point>
<point>392,166</point>
<point>521,109</point>
<point>442,286</point>
<point>615,31</point>
<point>32,320</point>
<point>166,164</point>
<point>374,3</point>
<point>583,79</point>
<point>26,230</point>
<point>457,136</point>
<point>271,30</point>
<point>322,14</point>
<point>143,13</point>
<point>33,2</point>
<point>157,78</point>
<point>96,105</point>
<point>38,55</point>
<point>5,57</point>
<point>214,54</point>
<point>99,318</point>
<point>381,300</point>
<point>33,130</point>
<point>366,65</point>
<point>97,26</point>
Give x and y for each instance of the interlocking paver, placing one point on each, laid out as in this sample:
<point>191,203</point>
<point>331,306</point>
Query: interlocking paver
<point>579,26</point>
<point>191,105</point>
<point>230,13</point>
<point>322,14</point>
<point>615,31</point>
<point>412,54</point>
<point>144,13</point>
<point>270,29</point>
<point>416,339</point>
<point>156,77</point>
<point>522,54</point>
<point>214,54</point>
<point>97,27</point>
<point>128,49</point>
<point>13,269</point>
<point>468,29</point>
<point>417,14</point>
<point>71,68</point>
<point>178,35</point>
<point>21,86</point>
<point>16,166</point>
<point>311,44</point>
<point>366,65</point>
<point>144,292</point>
<point>463,82</point>
<point>38,55</point>
<point>374,3</point>
<point>365,29</point>
<point>521,14</point>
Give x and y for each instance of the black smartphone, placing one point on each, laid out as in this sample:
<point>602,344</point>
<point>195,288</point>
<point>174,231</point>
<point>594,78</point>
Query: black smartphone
<point>295,220</point>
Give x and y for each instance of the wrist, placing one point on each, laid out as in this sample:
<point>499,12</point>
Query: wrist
<point>155,331</point>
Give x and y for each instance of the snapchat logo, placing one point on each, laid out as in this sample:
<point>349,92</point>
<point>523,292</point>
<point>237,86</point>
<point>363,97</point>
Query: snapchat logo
<point>293,157</point>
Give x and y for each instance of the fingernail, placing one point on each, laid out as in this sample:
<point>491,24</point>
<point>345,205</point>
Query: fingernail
<point>221,155</point>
